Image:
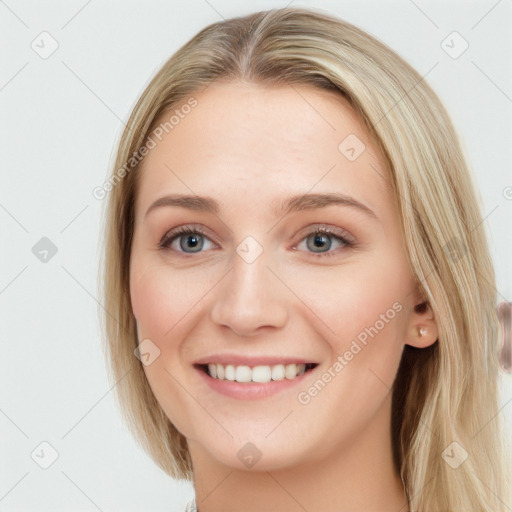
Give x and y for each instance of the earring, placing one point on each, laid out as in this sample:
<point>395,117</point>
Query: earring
<point>422,331</point>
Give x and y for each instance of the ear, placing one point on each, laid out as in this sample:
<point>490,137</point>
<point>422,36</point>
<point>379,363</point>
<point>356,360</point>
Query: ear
<point>422,328</point>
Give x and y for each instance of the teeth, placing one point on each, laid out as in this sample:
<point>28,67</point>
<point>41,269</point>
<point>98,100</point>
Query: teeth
<point>229,373</point>
<point>278,372</point>
<point>243,374</point>
<point>290,371</point>
<point>260,374</point>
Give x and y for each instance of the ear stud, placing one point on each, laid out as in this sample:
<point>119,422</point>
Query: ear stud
<point>422,331</point>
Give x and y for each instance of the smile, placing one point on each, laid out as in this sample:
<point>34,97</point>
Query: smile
<point>261,374</point>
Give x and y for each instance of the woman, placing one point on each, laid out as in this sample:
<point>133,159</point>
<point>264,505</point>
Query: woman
<point>300,297</point>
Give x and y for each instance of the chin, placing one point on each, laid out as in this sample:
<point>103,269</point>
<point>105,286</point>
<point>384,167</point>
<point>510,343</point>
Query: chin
<point>255,452</point>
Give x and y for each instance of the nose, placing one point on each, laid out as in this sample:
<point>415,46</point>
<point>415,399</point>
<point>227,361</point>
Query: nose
<point>250,298</point>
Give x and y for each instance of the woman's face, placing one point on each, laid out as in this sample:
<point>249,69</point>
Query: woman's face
<point>254,285</point>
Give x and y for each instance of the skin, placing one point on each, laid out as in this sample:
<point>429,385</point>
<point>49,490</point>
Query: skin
<point>250,147</point>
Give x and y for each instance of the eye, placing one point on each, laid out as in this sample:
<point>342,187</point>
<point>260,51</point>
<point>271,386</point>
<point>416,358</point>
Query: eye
<point>187,237</point>
<point>320,241</point>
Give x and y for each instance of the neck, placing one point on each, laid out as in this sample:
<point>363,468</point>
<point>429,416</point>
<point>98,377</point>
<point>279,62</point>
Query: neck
<point>358,476</point>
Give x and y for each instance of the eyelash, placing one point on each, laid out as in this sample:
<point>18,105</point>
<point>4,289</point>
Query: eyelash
<point>341,235</point>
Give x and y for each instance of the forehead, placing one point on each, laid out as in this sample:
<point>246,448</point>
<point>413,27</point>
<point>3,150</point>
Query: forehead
<point>242,142</point>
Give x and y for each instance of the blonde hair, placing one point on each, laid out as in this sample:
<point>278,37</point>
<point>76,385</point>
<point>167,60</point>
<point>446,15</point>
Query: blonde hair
<point>442,394</point>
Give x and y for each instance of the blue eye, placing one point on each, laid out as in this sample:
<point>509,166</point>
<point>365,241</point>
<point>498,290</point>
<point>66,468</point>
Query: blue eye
<point>192,240</point>
<point>321,241</point>
<point>189,238</point>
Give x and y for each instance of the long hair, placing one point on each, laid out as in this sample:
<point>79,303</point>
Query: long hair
<point>445,397</point>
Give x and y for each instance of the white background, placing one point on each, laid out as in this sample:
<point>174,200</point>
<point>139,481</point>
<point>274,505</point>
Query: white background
<point>60,119</point>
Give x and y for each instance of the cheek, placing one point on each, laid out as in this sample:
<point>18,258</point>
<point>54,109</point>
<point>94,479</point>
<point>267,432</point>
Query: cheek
<point>363,305</point>
<point>360,311</point>
<point>354,297</point>
<point>150,303</point>
<point>161,299</point>
<point>162,302</point>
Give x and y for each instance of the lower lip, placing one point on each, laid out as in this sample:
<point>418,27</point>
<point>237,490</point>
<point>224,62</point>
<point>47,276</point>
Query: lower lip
<point>251,390</point>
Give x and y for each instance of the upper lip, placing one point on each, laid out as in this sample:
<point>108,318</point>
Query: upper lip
<point>239,360</point>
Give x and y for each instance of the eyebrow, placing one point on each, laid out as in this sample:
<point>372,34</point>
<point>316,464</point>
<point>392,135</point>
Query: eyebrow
<point>294,203</point>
